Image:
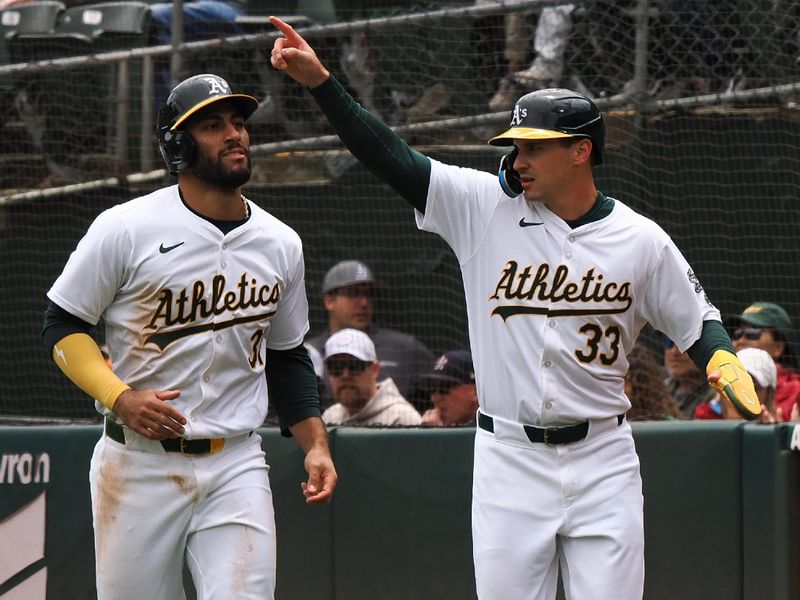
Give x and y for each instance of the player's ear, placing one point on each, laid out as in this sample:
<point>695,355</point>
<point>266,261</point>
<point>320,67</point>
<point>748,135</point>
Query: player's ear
<point>583,150</point>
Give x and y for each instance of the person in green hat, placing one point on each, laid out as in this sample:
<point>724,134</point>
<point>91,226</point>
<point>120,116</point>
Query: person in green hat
<point>767,326</point>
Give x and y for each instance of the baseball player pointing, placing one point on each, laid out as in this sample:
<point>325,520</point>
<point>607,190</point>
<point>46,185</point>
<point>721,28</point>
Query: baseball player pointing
<point>559,280</point>
<point>202,294</point>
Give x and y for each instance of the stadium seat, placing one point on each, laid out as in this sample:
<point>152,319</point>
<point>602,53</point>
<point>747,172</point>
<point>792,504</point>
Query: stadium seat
<point>30,18</point>
<point>79,104</point>
<point>101,26</point>
<point>39,16</point>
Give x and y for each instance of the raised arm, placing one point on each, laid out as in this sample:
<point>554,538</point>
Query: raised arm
<point>370,140</point>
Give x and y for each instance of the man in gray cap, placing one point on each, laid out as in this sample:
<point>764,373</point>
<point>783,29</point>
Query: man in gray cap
<point>348,294</point>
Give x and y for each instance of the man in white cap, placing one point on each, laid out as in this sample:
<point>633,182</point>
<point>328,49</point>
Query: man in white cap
<point>348,294</point>
<point>352,368</point>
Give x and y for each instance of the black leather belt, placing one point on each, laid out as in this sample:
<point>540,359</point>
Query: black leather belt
<point>547,435</point>
<point>182,445</point>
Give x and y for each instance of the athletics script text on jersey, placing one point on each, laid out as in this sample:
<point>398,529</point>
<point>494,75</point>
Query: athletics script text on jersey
<point>191,304</point>
<point>591,294</point>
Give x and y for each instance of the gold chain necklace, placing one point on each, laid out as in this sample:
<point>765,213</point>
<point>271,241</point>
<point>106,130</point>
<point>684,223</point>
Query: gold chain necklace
<point>246,208</point>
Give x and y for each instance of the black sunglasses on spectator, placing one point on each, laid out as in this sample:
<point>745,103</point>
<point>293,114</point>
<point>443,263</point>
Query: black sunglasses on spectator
<point>751,333</point>
<point>355,366</point>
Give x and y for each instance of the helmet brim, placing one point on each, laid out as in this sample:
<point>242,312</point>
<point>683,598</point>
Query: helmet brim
<point>527,133</point>
<point>247,104</point>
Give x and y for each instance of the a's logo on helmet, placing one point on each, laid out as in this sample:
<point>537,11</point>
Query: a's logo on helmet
<point>217,87</point>
<point>441,363</point>
<point>518,115</point>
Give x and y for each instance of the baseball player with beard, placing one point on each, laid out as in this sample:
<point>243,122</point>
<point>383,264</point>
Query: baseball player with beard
<point>559,280</point>
<point>202,294</point>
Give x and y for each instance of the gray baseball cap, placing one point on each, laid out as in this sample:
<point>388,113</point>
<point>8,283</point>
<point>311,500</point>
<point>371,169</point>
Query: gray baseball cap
<point>344,273</point>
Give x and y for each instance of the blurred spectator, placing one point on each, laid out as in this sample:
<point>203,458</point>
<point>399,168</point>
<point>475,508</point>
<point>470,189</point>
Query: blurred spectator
<point>202,20</point>
<point>401,87</point>
<point>550,41</point>
<point>703,61</point>
<point>349,290</point>
<point>767,326</point>
<point>765,375</point>
<point>645,388</point>
<point>352,368</point>
<point>686,383</point>
<point>693,50</point>
<point>453,391</point>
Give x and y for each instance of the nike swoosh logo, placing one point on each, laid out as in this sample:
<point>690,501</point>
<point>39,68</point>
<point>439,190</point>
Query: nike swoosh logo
<point>60,354</point>
<point>164,249</point>
<point>524,223</point>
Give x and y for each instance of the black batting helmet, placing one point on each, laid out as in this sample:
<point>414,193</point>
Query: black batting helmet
<point>188,97</point>
<point>555,113</point>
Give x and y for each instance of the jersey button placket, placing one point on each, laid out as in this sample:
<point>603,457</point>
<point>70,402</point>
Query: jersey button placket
<point>567,251</point>
<point>547,375</point>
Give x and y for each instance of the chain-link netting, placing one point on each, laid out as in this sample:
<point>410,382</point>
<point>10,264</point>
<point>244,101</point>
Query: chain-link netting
<point>700,99</point>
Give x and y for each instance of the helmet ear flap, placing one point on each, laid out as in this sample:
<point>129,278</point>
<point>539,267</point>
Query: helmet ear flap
<point>509,178</point>
<point>177,148</point>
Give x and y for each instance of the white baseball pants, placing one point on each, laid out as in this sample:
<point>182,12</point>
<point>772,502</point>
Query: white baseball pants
<point>153,509</point>
<point>579,504</point>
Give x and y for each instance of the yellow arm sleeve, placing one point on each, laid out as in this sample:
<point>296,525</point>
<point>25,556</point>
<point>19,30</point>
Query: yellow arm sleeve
<point>734,384</point>
<point>79,357</point>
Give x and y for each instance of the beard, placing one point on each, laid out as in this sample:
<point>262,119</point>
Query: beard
<point>351,397</point>
<point>211,170</point>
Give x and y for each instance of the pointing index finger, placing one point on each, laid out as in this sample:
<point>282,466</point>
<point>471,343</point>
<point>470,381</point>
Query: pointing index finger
<point>286,30</point>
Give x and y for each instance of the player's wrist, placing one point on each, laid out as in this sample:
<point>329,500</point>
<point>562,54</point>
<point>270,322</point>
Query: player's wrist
<point>115,393</point>
<point>323,76</point>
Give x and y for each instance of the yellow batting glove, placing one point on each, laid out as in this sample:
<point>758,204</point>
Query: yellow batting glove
<point>727,375</point>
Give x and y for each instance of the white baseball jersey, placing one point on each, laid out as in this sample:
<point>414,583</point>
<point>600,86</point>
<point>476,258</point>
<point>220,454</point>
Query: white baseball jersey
<point>553,311</point>
<point>187,307</point>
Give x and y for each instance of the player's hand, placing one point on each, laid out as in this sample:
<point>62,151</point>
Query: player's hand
<point>322,476</point>
<point>148,413</point>
<point>728,376</point>
<point>293,55</point>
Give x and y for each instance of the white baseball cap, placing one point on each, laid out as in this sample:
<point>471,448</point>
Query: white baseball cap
<point>760,366</point>
<point>353,342</point>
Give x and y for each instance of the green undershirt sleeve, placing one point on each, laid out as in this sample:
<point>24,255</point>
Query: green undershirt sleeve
<point>292,385</point>
<point>713,338</point>
<point>374,144</point>
<point>58,324</point>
